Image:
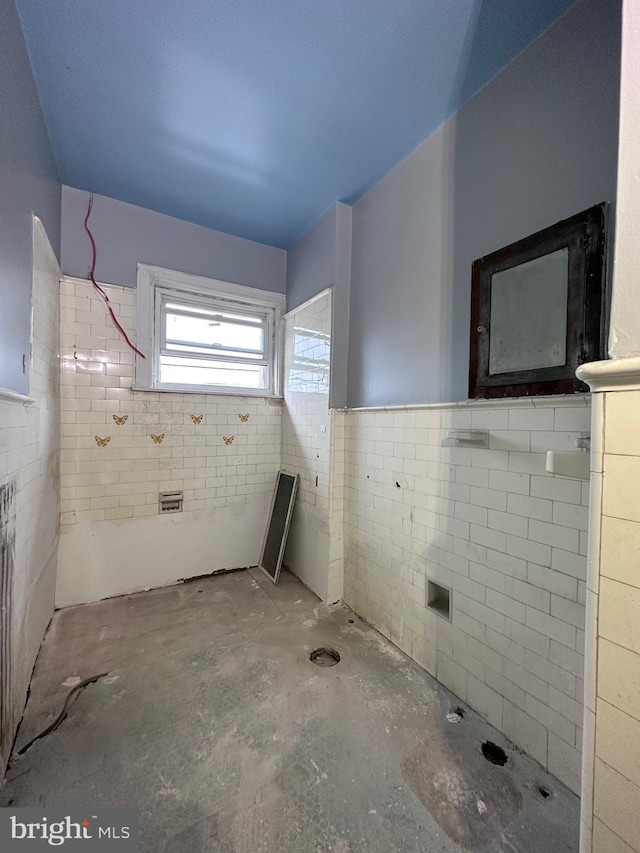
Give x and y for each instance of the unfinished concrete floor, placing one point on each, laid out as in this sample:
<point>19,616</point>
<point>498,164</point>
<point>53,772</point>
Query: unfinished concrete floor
<point>215,725</point>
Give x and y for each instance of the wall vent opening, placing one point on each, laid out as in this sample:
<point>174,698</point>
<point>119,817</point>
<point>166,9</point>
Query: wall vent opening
<point>170,502</point>
<point>439,599</point>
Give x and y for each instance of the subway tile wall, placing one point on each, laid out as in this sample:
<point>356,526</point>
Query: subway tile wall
<point>29,446</point>
<point>112,468</point>
<point>337,468</point>
<point>305,424</point>
<point>122,479</point>
<point>507,538</point>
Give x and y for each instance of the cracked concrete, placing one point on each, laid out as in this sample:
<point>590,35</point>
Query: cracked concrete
<point>215,725</point>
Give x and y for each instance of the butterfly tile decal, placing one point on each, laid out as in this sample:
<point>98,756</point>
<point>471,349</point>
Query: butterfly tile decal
<point>157,438</point>
<point>244,418</point>
<point>196,419</point>
<point>102,442</point>
<point>228,439</point>
<point>121,420</point>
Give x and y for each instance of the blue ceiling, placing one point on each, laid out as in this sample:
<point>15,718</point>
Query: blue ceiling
<point>254,116</point>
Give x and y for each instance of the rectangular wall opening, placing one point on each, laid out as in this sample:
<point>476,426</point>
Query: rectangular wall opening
<point>439,599</point>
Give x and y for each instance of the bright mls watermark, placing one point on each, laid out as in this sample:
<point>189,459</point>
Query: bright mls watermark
<point>103,830</point>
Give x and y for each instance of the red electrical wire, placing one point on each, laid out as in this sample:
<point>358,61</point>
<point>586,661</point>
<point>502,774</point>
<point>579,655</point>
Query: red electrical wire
<point>97,286</point>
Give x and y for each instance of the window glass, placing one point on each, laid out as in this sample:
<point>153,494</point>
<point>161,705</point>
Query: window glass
<point>190,371</point>
<point>206,336</point>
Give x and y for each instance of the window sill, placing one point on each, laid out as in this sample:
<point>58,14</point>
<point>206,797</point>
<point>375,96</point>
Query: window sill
<point>198,391</point>
<point>15,397</point>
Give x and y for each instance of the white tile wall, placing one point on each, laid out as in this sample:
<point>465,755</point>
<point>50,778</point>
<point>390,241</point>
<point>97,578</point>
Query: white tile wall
<point>29,447</point>
<point>121,481</point>
<point>612,732</point>
<point>502,534</point>
<point>337,468</point>
<point>306,438</point>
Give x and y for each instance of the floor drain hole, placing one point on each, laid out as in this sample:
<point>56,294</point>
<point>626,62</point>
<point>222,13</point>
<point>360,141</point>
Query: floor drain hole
<point>455,715</point>
<point>324,656</point>
<point>544,792</point>
<point>493,753</point>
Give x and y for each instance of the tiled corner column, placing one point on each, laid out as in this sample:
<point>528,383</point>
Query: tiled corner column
<point>306,439</point>
<point>611,746</point>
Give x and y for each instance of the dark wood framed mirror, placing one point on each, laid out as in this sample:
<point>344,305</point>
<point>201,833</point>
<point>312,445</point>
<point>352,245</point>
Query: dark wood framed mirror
<point>538,310</point>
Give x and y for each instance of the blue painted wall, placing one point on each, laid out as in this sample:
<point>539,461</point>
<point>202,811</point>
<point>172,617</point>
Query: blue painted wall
<point>322,258</point>
<point>537,144</point>
<point>126,234</point>
<point>311,261</point>
<point>28,183</point>
<point>341,307</point>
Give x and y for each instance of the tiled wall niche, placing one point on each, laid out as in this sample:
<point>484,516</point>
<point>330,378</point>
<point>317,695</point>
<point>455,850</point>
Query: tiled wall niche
<point>507,538</point>
<point>29,446</point>
<point>113,540</point>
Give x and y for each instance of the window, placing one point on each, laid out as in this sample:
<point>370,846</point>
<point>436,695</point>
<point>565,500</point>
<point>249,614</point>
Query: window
<point>538,310</point>
<point>208,336</point>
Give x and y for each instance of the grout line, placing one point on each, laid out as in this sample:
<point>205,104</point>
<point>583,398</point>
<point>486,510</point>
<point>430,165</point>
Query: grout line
<point>612,831</point>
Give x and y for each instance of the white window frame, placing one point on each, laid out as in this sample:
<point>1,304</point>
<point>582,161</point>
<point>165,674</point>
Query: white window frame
<point>154,281</point>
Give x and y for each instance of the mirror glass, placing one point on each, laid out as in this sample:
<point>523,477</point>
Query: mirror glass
<point>529,315</point>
